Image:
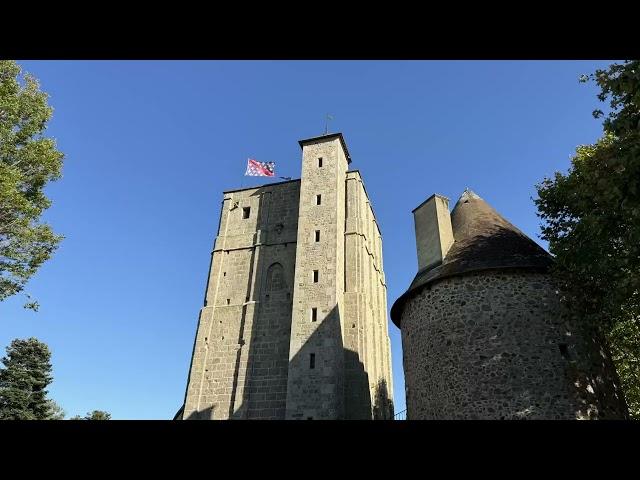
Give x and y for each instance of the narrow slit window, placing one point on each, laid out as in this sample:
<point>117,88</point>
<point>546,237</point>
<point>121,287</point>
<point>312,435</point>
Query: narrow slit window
<point>228,301</point>
<point>320,162</point>
<point>317,237</point>
<point>246,211</point>
<point>314,314</point>
<point>312,360</point>
<point>564,351</point>
<point>318,199</point>
<point>316,276</point>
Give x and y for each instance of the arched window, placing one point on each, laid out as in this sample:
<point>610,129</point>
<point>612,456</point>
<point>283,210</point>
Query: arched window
<point>275,278</point>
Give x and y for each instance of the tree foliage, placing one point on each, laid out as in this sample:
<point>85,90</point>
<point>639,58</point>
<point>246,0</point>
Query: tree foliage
<point>94,415</point>
<point>23,381</point>
<point>591,218</point>
<point>56,412</point>
<point>621,85</point>
<point>28,161</point>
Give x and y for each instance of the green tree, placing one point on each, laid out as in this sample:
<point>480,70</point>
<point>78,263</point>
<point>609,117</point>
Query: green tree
<point>28,161</point>
<point>98,415</point>
<point>55,411</point>
<point>591,218</point>
<point>94,415</point>
<point>23,381</point>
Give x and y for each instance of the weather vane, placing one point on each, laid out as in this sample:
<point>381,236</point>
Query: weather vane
<point>326,123</point>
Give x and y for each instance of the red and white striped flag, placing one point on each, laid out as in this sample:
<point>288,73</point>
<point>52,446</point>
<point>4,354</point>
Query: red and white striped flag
<point>260,169</point>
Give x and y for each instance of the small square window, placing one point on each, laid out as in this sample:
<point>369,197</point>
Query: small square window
<point>316,275</point>
<point>317,237</point>
<point>318,199</point>
<point>228,301</point>
<point>320,162</point>
<point>312,360</point>
<point>314,314</point>
<point>246,211</point>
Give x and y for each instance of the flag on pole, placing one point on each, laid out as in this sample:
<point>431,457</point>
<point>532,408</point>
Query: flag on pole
<point>260,169</point>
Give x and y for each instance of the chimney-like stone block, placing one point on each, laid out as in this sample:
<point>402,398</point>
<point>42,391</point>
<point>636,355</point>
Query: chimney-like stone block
<point>434,235</point>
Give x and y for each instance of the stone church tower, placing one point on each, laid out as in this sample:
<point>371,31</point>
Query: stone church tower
<point>483,333</point>
<point>294,322</point>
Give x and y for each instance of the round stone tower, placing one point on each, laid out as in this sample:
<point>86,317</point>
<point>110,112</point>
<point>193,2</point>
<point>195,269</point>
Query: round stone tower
<point>484,335</point>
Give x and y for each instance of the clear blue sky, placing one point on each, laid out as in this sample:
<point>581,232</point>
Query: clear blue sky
<point>150,146</point>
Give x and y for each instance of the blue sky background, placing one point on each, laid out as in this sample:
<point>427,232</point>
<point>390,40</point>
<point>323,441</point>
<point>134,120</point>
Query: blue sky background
<point>150,146</point>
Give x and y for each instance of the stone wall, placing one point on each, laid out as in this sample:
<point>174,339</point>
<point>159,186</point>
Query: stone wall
<point>240,360</point>
<point>260,351</point>
<point>495,345</point>
<point>366,338</point>
<point>316,365</point>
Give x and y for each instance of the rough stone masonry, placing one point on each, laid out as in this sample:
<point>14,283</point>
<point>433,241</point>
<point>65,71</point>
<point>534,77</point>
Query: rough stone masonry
<point>294,322</point>
<point>484,333</point>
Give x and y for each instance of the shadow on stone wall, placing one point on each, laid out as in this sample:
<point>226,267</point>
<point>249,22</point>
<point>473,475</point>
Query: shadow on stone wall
<point>593,378</point>
<point>263,328</point>
<point>338,385</point>
<point>383,405</point>
<point>338,377</point>
<point>205,414</point>
<point>316,387</point>
<point>259,388</point>
<point>357,393</point>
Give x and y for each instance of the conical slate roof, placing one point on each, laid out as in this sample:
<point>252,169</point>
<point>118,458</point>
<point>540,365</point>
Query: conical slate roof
<point>483,240</point>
